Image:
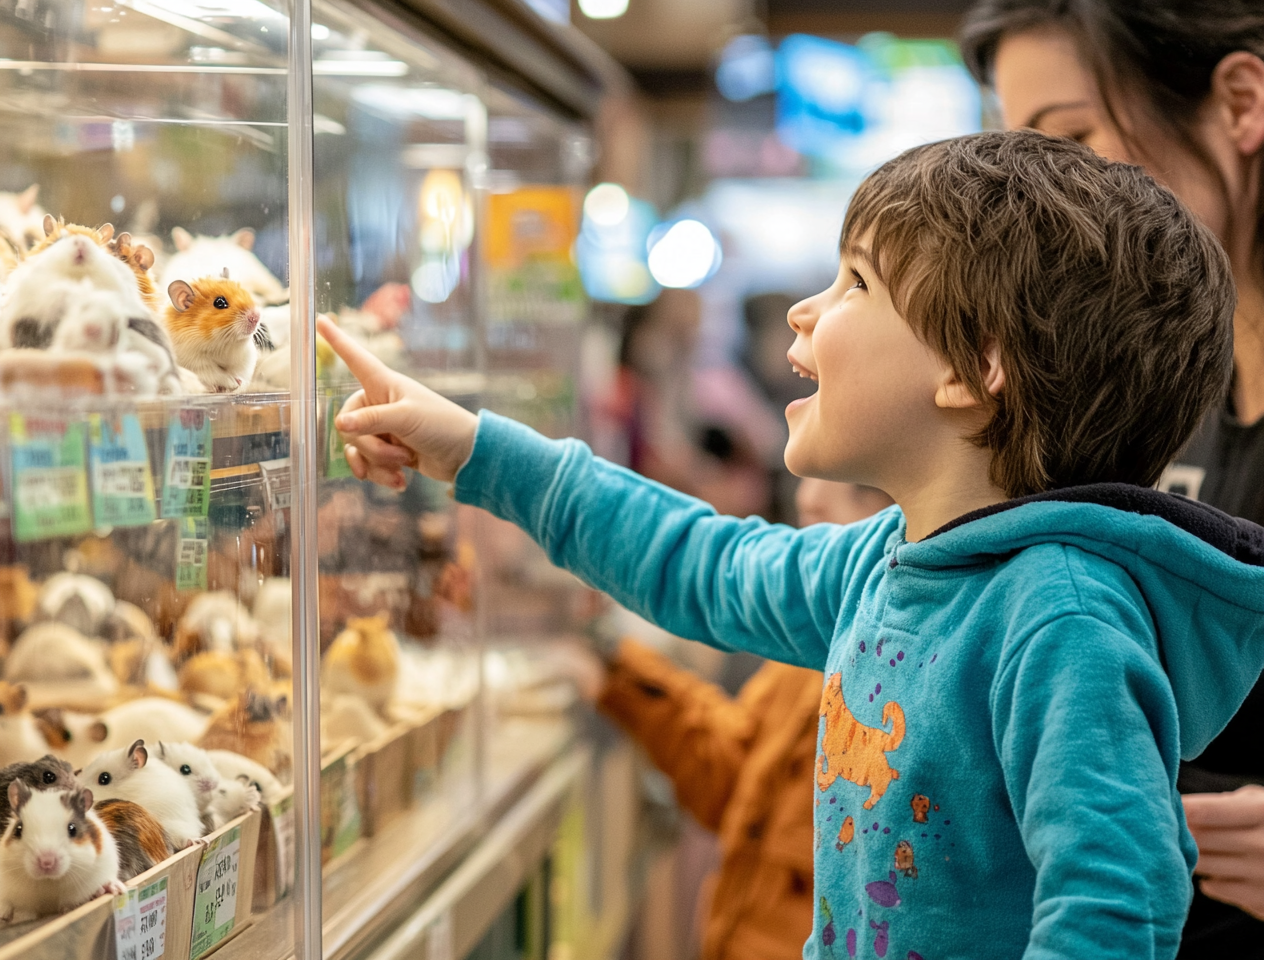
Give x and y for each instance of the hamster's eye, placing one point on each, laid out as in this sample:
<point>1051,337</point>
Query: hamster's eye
<point>17,831</point>
<point>104,779</point>
<point>71,829</point>
<point>50,777</point>
<point>221,303</point>
<point>186,769</point>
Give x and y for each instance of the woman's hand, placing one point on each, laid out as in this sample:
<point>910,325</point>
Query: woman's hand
<point>1229,829</point>
<point>394,422</point>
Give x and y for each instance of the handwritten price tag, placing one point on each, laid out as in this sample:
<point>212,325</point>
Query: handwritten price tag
<point>153,921</point>
<point>186,473</point>
<point>215,897</point>
<point>191,552</point>
<point>126,926</point>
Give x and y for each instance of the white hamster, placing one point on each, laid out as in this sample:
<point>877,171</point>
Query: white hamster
<point>50,651</point>
<point>103,322</point>
<point>129,774</point>
<point>203,256</point>
<point>233,766</point>
<point>40,288</point>
<point>233,799</point>
<point>76,599</point>
<point>197,768</point>
<point>55,854</point>
<point>150,718</point>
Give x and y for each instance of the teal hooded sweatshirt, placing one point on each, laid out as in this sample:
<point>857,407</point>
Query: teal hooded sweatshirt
<point>1005,702</point>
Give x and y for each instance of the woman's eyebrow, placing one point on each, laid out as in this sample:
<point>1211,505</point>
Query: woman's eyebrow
<point>1033,122</point>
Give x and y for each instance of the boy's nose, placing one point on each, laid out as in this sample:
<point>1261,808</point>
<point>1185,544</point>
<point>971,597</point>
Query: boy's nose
<point>801,317</point>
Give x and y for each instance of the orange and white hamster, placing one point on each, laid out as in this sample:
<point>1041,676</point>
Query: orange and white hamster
<point>212,323</point>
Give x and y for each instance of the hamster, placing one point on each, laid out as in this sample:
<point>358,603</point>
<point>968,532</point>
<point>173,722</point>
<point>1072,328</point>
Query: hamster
<point>77,600</point>
<point>151,718</point>
<point>272,613</point>
<point>233,799</point>
<point>47,773</point>
<point>198,770</point>
<point>52,651</point>
<point>251,724</point>
<point>41,287</point>
<point>21,216</point>
<point>233,766</point>
<point>139,258</point>
<point>363,660</point>
<point>102,322</point>
<point>74,737</point>
<point>344,717</point>
<point>222,675</point>
<point>206,256</point>
<point>20,737</point>
<point>139,837</point>
<point>212,323</point>
<point>55,854</point>
<point>129,774</point>
<point>215,621</point>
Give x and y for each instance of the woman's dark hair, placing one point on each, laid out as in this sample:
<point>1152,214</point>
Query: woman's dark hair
<point>1160,54</point>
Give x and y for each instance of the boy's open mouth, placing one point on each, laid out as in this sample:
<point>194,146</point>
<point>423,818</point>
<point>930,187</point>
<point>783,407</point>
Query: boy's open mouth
<point>801,370</point>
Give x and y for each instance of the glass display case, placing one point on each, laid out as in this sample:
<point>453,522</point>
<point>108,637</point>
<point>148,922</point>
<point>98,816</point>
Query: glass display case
<point>301,705</point>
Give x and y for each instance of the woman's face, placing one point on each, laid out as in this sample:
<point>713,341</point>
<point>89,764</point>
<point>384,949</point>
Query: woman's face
<point>1042,84</point>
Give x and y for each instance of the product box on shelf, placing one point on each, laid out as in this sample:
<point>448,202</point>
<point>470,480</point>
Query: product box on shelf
<point>340,819</point>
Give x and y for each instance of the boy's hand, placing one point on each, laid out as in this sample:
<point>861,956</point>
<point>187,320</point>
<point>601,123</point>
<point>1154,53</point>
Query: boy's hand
<point>1229,829</point>
<point>394,422</point>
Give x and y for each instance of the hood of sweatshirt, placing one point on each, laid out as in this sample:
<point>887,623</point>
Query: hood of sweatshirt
<point>1200,571</point>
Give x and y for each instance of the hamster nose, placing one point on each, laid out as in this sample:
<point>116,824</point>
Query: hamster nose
<point>47,862</point>
<point>92,331</point>
<point>206,785</point>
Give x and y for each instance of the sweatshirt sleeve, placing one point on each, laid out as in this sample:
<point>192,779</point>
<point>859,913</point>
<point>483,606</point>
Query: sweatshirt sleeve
<point>1085,725</point>
<point>693,731</point>
<point>735,584</point>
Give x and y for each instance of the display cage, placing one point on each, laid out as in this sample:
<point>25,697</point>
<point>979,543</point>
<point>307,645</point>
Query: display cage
<point>196,596</point>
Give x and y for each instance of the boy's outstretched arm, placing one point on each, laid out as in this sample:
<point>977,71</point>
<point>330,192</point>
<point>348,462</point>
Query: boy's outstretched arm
<point>733,583</point>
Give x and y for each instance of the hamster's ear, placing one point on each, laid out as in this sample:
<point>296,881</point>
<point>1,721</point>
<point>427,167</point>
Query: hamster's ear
<point>245,238</point>
<point>137,754</point>
<point>181,295</point>
<point>86,794</point>
<point>27,198</point>
<point>18,700</point>
<point>19,793</point>
<point>106,230</point>
<point>181,238</point>
<point>98,732</point>
<point>50,225</point>
<point>142,256</point>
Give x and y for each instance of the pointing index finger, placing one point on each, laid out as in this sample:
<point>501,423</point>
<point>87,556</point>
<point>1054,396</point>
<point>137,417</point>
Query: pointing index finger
<point>366,367</point>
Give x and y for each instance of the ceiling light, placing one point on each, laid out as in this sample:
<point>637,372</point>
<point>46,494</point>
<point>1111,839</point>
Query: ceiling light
<point>685,255</point>
<point>606,204</point>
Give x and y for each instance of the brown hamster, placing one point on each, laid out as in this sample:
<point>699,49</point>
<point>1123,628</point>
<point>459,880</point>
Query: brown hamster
<point>222,675</point>
<point>140,258</point>
<point>363,660</point>
<point>47,773</point>
<point>252,725</point>
<point>140,838</point>
<point>213,323</point>
<point>20,737</point>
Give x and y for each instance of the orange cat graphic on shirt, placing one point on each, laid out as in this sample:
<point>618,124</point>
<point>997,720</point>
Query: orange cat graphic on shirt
<point>853,751</point>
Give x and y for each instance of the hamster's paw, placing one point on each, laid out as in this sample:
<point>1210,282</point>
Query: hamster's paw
<point>199,842</point>
<point>111,888</point>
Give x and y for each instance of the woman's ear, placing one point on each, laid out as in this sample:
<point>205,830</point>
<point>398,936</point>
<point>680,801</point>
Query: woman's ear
<point>1237,86</point>
<point>954,393</point>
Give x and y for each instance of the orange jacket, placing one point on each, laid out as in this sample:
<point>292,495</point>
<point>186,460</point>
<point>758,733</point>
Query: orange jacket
<point>743,768</point>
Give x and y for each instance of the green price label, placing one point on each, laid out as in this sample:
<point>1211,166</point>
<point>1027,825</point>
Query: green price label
<point>336,465</point>
<point>50,478</point>
<point>215,897</point>
<point>186,471</point>
<point>122,485</point>
<point>191,550</point>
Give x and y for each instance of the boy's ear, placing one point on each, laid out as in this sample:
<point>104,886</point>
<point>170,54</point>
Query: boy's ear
<point>954,393</point>
<point>1238,89</point>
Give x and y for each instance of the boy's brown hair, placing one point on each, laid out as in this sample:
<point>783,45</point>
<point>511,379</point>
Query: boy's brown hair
<point>1111,305</point>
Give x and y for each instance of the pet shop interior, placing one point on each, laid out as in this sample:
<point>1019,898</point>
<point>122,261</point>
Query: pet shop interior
<point>256,707</point>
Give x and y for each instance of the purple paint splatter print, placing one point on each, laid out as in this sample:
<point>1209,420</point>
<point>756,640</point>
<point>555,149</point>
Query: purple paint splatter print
<point>882,938</point>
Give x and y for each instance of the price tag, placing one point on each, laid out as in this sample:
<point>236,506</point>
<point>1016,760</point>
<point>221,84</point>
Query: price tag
<point>282,815</point>
<point>276,481</point>
<point>152,905</point>
<point>335,457</point>
<point>439,940</point>
<point>191,552</point>
<point>186,472</point>
<point>215,897</point>
<point>50,478</point>
<point>122,485</point>
<point>126,926</point>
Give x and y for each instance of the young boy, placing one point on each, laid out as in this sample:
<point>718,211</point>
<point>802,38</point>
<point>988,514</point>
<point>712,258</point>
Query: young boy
<point>1021,336</point>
